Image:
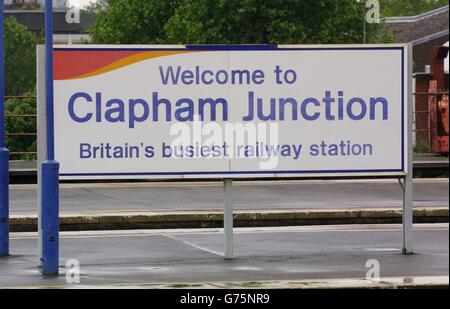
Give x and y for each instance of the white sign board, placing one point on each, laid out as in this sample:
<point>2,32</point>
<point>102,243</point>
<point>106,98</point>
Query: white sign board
<point>233,111</point>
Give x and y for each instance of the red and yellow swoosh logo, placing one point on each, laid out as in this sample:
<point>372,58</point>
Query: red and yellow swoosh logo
<point>87,63</point>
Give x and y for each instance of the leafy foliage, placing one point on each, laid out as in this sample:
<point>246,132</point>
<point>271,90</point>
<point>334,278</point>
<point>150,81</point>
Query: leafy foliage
<point>131,21</point>
<point>274,21</point>
<point>20,58</point>
<point>230,21</point>
<point>244,21</point>
<point>20,79</point>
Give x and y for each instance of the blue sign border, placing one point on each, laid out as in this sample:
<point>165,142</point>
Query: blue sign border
<point>266,47</point>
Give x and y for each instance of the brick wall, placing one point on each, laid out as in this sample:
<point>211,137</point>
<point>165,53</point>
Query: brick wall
<point>410,29</point>
<point>422,53</point>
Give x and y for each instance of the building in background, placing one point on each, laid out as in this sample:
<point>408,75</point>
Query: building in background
<point>429,35</point>
<point>423,32</point>
<point>17,4</point>
<point>65,32</point>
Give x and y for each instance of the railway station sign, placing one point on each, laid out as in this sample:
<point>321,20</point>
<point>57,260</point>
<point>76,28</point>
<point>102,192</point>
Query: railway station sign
<point>230,111</point>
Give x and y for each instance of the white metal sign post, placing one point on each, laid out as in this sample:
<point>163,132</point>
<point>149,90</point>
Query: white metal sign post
<point>230,112</point>
<point>408,207</point>
<point>228,219</point>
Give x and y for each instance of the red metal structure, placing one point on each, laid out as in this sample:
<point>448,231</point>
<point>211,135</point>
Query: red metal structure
<point>438,104</point>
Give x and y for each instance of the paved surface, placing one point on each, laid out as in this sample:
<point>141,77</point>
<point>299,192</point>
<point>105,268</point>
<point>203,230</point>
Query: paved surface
<point>269,195</point>
<point>145,257</point>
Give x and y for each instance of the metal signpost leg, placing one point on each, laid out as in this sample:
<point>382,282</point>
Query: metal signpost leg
<point>408,215</point>
<point>49,168</point>
<point>42,134</point>
<point>228,219</point>
<point>4,153</point>
<point>408,211</point>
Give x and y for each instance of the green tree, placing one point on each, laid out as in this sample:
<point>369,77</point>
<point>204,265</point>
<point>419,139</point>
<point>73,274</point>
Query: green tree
<point>230,21</point>
<point>20,58</point>
<point>392,8</point>
<point>131,21</point>
<point>268,21</point>
<point>20,79</point>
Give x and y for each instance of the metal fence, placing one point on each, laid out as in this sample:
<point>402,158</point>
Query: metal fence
<point>19,153</point>
<point>424,122</point>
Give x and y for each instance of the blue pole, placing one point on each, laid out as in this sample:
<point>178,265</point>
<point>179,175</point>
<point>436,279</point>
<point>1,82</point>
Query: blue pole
<point>49,168</point>
<point>4,153</point>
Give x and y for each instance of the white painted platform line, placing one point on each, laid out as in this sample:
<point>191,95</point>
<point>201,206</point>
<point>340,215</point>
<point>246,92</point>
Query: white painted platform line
<point>190,244</point>
<point>262,230</point>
